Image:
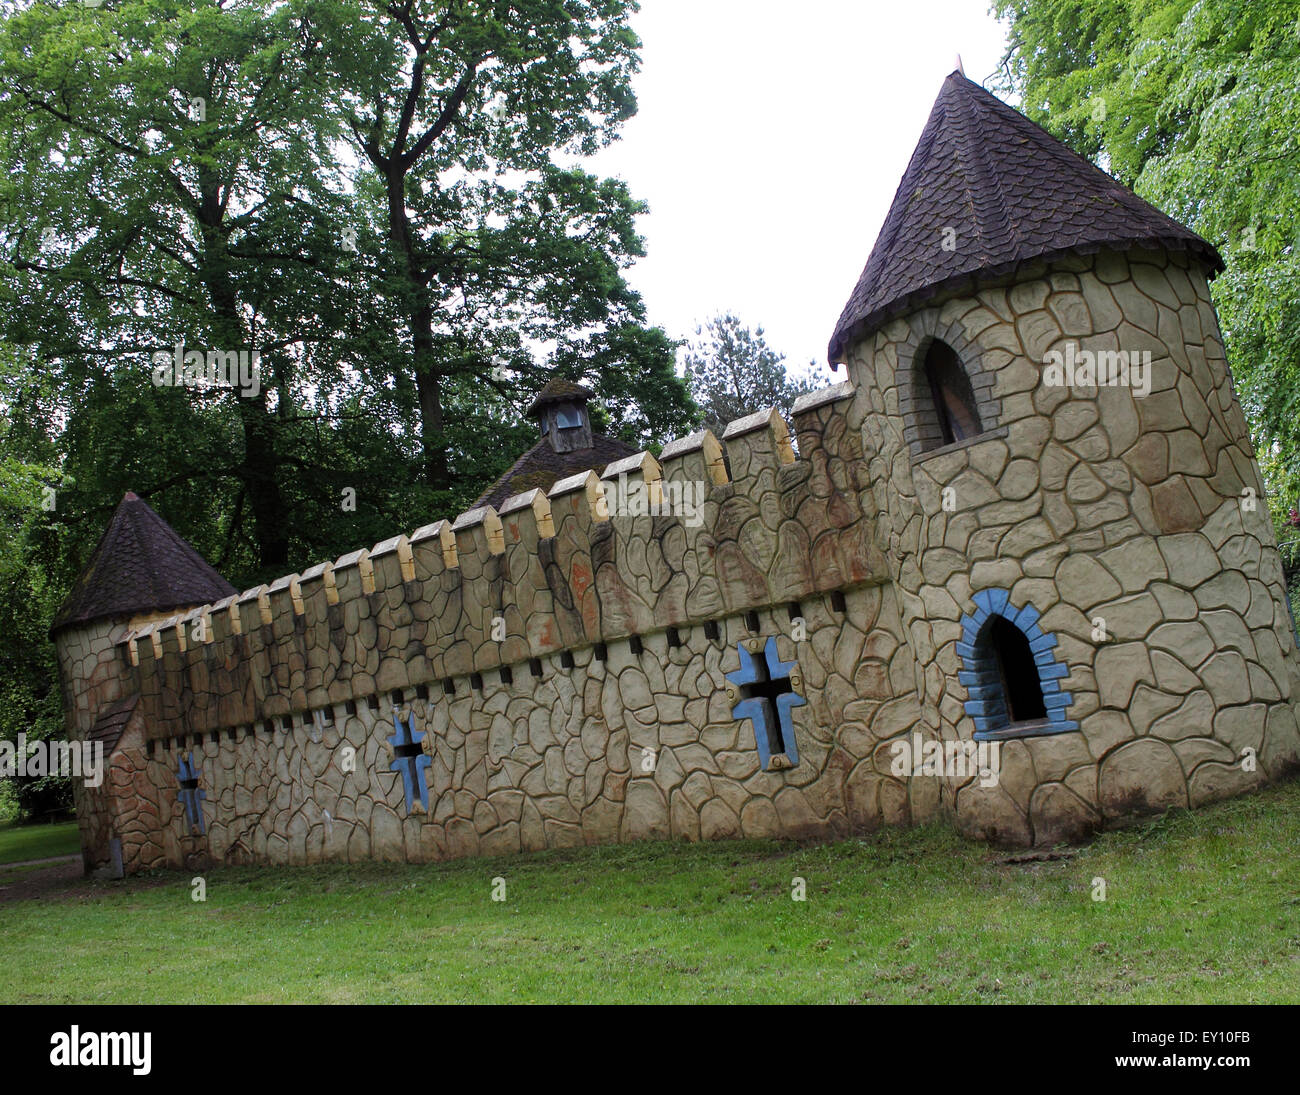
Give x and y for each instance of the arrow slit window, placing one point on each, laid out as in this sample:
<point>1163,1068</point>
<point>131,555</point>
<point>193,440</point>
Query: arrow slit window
<point>763,691</point>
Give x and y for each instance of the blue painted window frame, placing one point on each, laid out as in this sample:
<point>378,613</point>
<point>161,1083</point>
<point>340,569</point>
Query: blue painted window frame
<point>756,710</point>
<point>414,787</point>
<point>191,799</point>
<point>986,703</point>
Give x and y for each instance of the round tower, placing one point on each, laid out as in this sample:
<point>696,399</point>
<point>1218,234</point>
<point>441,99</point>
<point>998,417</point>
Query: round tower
<point>1066,487</point>
<point>140,571</point>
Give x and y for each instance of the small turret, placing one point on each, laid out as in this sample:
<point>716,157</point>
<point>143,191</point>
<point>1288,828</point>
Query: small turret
<point>140,572</point>
<point>1068,485</point>
<point>568,445</point>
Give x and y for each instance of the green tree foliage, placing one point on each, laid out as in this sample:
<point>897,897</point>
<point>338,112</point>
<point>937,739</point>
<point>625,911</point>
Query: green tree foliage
<point>1196,105</point>
<point>175,188</point>
<point>469,114</point>
<point>29,596</point>
<point>732,372</point>
<point>384,198</point>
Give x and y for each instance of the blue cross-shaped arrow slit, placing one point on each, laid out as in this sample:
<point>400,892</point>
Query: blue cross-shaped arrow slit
<point>767,698</point>
<point>409,759</point>
<point>191,795</point>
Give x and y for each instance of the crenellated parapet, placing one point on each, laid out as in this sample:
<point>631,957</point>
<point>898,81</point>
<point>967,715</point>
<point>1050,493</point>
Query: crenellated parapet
<point>709,529</point>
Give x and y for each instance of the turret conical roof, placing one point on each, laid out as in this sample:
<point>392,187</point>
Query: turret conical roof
<point>141,565</point>
<point>1011,192</point>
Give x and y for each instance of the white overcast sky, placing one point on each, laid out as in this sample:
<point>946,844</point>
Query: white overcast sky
<point>770,139</point>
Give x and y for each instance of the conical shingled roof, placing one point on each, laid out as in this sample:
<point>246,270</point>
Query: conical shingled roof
<point>1011,191</point>
<point>140,565</point>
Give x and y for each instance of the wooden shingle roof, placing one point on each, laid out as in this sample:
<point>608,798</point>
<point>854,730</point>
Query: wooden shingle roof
<point>112,722</point>
<point>1010,192</point>
<point>541,467</point>
<point>140,565</point>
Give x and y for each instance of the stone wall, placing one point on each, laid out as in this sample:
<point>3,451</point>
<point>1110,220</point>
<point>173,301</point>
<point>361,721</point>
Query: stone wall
<point>574,673</point>
<point>549,653</point>
<point>94,670</point>
<point>144,809</point>
<point>1096,508</point>
<point>553,572</point>
<point>634,746</point>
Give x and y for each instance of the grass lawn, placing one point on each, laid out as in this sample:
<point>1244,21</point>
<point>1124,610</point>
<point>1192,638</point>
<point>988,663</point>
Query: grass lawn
<point>1200,907</point>
<point>19,842</point>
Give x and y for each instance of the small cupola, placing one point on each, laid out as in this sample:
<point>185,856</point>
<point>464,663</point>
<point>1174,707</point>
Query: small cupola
<point>561,411</point>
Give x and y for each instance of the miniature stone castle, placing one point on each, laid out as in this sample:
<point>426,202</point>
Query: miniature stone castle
<point>1080,572</point>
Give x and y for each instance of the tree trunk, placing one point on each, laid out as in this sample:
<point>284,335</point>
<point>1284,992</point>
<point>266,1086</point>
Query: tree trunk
<point>428,380</point>
<point>259,469</point>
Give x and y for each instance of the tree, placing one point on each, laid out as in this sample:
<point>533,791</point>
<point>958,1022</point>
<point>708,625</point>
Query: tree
<point>1196,106</point>
<point>179,173</point>
<point>173,187</point>
<point>29,692</point>
<point>500,258</point>
<point>733,372</point>
<point>182,174</point>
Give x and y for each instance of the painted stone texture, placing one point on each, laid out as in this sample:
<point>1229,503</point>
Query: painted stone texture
<point>956,546</point>
<point>1135,525</point>
<point>625,748</point>
<point>566,667</point>
<point>95,677</point>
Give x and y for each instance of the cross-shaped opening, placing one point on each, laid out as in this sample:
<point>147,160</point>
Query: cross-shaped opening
<point>408,749</point>
<point>767,690</point>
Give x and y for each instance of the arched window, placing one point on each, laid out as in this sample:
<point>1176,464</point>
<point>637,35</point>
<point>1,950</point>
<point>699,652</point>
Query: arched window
<point>1006,647</point>
<point>950,396</point>
<point>1011,670</point>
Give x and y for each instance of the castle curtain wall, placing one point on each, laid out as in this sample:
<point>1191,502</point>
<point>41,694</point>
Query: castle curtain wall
<point>570,674</point>
<point>285,705</point>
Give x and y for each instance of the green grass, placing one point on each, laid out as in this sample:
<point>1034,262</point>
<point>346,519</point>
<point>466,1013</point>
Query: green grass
<point>1200,907</point>
<point>19,842</point>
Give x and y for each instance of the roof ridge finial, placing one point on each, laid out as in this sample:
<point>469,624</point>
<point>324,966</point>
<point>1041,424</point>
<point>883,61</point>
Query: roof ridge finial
<point>960,67</point>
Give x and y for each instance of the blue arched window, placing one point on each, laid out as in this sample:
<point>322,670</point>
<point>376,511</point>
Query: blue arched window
<point>1010,670</point>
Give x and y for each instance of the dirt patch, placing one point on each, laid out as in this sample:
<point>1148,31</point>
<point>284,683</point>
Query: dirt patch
<point>1037,857</point>
<point>60,880</point>
<point>54,880</point>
